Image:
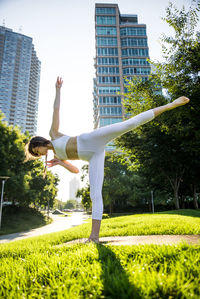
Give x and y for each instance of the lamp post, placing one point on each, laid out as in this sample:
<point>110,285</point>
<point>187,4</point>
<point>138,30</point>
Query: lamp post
<point>4,178</point>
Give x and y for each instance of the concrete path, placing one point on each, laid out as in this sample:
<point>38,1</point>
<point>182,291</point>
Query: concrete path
<point>143,240</point>
<point>62,223</point>
<point>59,223</point>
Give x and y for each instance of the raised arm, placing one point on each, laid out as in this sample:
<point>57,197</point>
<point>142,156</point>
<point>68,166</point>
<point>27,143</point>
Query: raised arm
<point>54,131</point>
<point>63,163</point>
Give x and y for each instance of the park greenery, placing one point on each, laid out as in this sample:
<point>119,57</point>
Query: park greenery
<point>163,156</point>
<point>167,150</point>
<point>17,218</point>
<point>48,267</point>
<point>27,185</point>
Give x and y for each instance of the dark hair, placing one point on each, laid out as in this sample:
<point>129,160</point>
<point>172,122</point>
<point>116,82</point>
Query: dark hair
<point>36,141</point>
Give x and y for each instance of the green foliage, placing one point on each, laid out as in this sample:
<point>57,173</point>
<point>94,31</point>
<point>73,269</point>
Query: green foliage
<point>166,151</point>
<point>181,51</point>
<point>45,267</point>
<point>26,184</point>
<point>84,194</point>
<point>19,219</point>
<point>71,204</point>
<point>122,187</point>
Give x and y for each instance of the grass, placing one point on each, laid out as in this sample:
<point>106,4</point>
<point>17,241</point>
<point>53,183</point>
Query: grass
<point>38,268</point>
<point>166,223</point>
<point>19,219</point>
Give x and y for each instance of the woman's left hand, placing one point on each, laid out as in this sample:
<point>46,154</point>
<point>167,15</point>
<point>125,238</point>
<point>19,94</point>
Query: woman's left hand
<point>53,162</point>
<point>59,82</point>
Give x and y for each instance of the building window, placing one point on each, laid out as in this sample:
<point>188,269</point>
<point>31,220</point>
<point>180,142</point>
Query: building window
<point>110,100</point>
<point>107,51</point>
<point>109,121</point>
<point>108,80</point>
<point>136,71</point>
<point>106,41</point>
<point>135,52</point>
<point>106,31</point>
<point>132,31</point>
<point>110,111</point>
<point>129,42</point>
<point>105,10</point>
<point>101,20</point>
<point>107,61</point>
<point>134,61</point>
<point>108,90</point>
<point>108,70</point>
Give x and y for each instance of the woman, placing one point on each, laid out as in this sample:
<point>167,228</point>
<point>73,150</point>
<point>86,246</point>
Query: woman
<point>90,147</point>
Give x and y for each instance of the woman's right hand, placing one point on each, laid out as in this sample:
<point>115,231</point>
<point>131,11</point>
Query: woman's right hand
<point>59,82</point>
<point>53,162</point>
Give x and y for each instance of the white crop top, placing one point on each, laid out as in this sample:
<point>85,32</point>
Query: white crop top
<point>59,145</point>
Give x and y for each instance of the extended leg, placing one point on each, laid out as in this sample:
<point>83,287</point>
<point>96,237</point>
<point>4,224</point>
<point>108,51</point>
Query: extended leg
<point>96,175</point>
<point>176,103</point>
<point>100,137</point>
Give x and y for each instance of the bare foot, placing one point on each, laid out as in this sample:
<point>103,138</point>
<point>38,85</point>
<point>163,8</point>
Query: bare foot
<point>179,102</point>
<point>92,240</point>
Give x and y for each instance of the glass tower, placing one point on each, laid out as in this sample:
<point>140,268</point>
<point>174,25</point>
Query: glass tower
<point>19,80</point>
<point>121,51</point>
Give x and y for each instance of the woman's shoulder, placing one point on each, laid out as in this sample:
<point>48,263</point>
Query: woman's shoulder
<point>55,136</point>
<point>61,139</point>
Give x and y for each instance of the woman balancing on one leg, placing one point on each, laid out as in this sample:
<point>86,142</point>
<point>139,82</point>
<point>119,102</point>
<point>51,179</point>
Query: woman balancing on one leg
<point>90,147</point>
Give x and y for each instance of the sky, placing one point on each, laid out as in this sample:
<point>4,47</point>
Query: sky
<point>63,33</point>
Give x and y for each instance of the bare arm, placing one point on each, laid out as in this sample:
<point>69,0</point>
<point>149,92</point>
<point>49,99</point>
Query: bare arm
<point>54,131</point>
<point>63,163</point>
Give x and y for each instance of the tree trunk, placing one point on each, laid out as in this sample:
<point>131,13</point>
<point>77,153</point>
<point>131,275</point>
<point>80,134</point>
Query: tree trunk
<point>110,208</point>
<point>176,200</point>
<point>195,201</point>
<point>175,184</point>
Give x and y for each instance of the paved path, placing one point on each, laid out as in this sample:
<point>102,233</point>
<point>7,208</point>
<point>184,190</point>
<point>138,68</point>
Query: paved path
<point>59,223</point>
<point>143,240</point>
<point>62,223</point>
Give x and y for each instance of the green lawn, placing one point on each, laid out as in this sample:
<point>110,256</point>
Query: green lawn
<point>37,268</point>
<point>19,219</point>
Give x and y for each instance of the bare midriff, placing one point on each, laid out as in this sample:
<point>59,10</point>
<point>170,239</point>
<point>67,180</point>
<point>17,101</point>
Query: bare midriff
<point>71,149</point>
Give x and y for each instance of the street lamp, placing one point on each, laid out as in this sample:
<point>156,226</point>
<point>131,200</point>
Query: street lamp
<point>4,179</point>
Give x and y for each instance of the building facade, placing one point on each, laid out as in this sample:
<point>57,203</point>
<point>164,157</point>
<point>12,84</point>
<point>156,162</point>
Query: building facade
<point>74,185</point>
<point>121,51</point>
<point>19,80</point>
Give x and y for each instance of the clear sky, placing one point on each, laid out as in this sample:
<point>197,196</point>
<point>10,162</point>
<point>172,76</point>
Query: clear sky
<point>63,33</point>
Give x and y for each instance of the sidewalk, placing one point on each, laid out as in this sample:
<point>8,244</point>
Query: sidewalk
<point>143,240</point>
<point>59,223</point>
<point>62,223</point>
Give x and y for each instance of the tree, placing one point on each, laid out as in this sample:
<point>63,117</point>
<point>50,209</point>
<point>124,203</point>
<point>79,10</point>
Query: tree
<point>182,72</point>
<point>120,188</point>
<point>84,194</point>
<point>168,149</point>
<point>26,184</point>
<point>123,189</point>
<point>71,204</point>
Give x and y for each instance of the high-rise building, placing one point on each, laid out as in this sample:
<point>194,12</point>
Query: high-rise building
<point>74,185</point>
<point>121,51</point>
<point>19,80</point>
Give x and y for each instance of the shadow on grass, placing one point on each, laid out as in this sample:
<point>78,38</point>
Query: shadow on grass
<point>115,280</point>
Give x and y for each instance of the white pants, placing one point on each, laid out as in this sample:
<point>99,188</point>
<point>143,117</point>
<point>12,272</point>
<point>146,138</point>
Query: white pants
<point>91,148</point>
